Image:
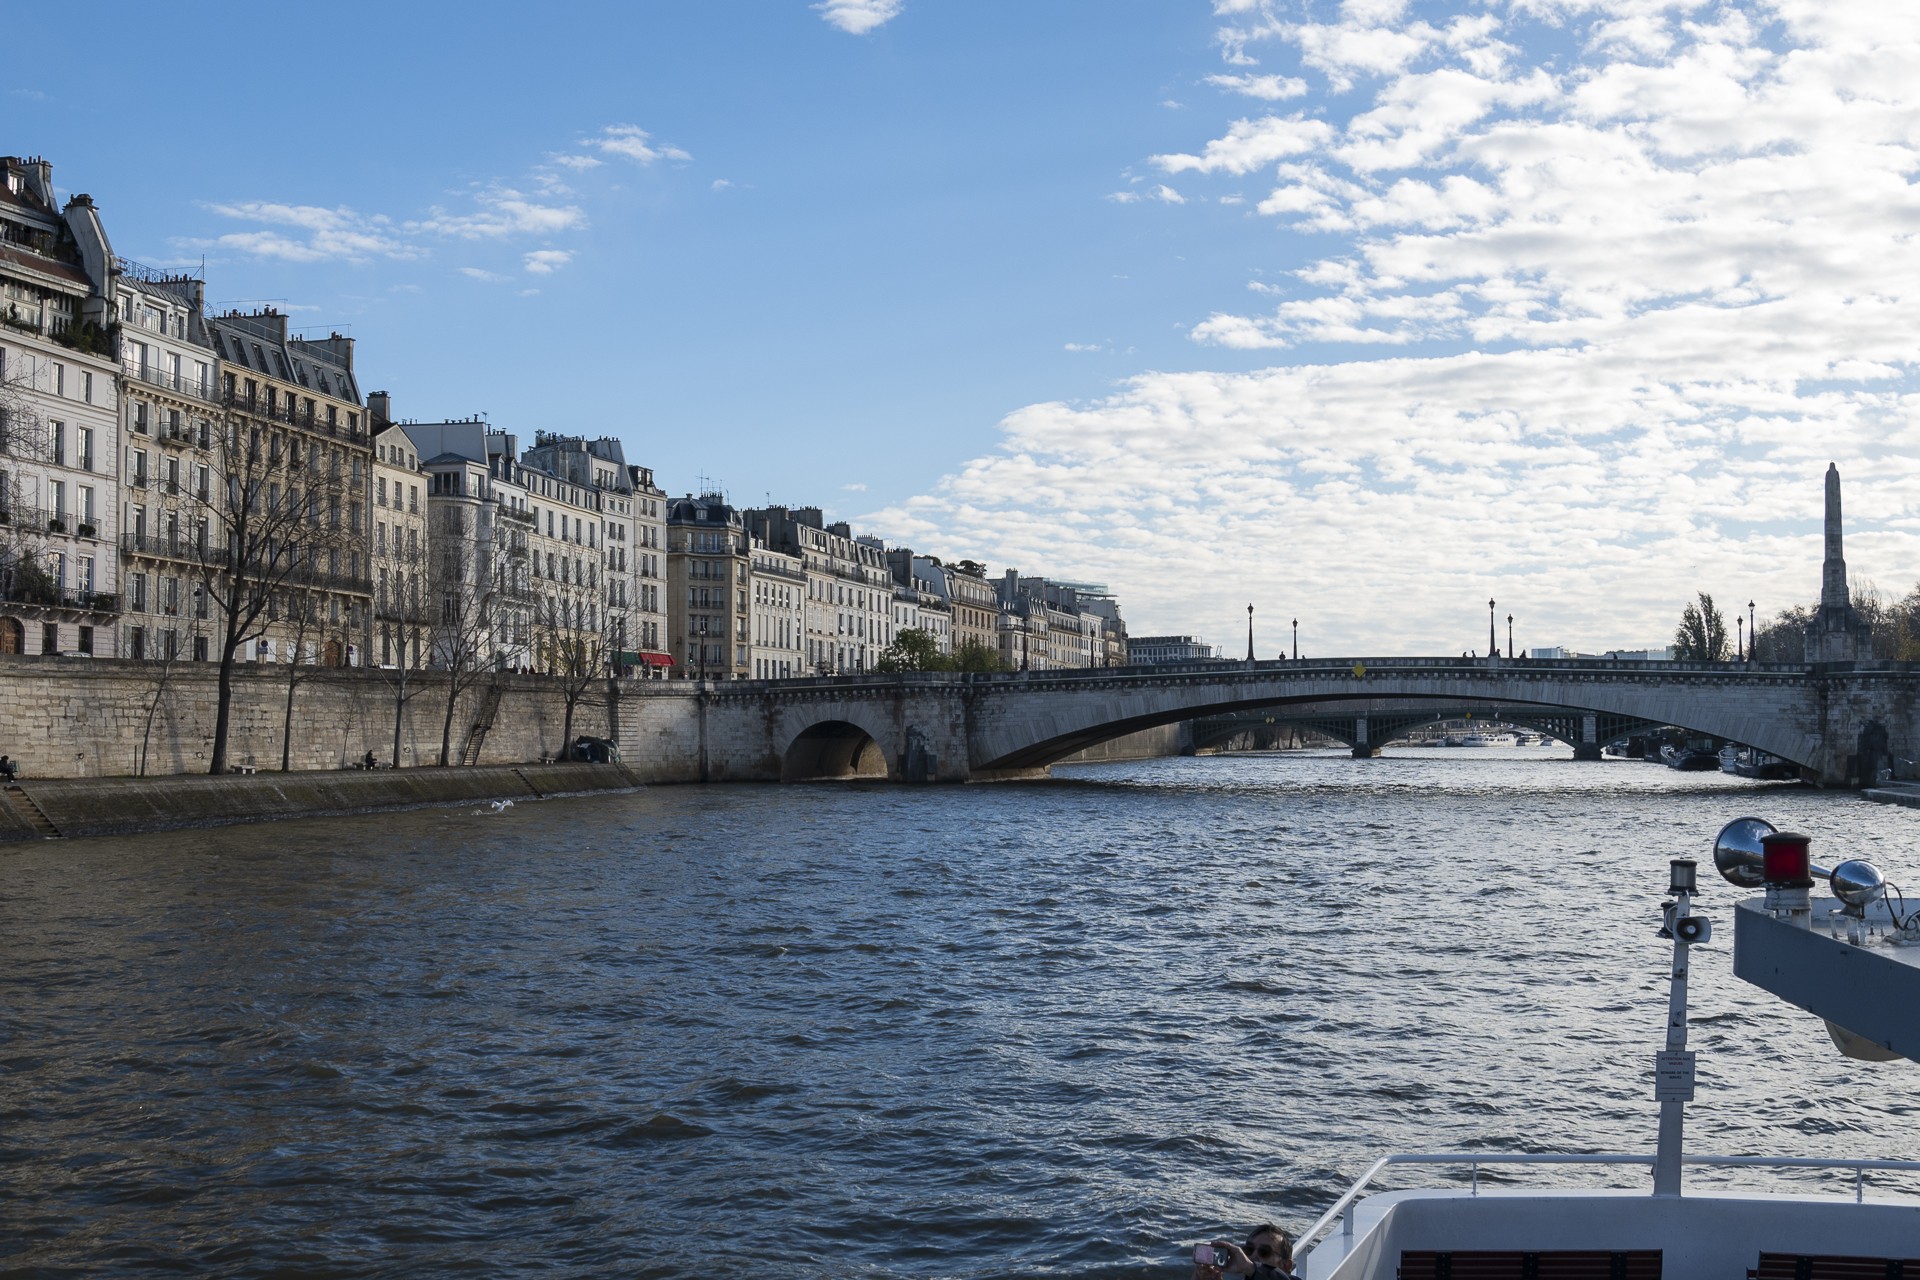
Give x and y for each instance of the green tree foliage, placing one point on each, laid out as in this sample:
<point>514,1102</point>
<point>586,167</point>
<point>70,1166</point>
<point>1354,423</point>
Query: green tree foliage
<point>1702,636</point>
<point>916,650</point>
<point>913,650</point>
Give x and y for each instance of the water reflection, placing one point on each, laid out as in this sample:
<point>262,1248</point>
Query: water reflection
<point>986,1031</point>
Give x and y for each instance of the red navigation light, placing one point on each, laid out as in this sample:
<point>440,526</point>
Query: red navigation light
<point>1786,858</point>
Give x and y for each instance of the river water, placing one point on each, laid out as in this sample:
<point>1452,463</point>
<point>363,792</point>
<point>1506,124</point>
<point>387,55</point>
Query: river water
<point>845,1030</point>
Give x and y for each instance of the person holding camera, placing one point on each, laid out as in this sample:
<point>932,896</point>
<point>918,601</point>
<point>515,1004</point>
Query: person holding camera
<point>1268,1255</point>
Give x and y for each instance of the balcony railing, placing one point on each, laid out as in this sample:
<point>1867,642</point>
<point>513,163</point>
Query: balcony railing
<point>180,385</point>
<point>148,544</point>
<point>49,597</point>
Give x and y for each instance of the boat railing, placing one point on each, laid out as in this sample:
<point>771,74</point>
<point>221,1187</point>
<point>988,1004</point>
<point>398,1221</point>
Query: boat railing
<point>1342,1209</point>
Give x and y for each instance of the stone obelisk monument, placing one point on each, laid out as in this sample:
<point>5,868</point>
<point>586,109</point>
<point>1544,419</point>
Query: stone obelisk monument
<point>1837,633</point>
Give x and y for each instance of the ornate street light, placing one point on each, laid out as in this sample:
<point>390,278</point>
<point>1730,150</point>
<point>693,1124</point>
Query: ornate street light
<point>1509,635</point>
<point>1753,633</point>
<point>1296,639</point>
<point>1493,643</point>
<point>1739,638</point>
<point>1249,633</point>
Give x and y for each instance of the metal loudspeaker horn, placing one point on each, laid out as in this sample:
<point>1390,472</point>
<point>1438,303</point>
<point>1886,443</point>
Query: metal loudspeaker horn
<point>1736,851</point>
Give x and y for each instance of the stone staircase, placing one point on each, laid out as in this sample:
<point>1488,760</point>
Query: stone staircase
<point>482,721</point>
<point>23,805</point>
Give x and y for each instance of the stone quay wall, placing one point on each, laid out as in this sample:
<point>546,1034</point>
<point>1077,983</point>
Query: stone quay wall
<point>84,718</point>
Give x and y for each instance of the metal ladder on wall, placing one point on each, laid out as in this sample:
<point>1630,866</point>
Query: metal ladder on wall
<point>483,721</point>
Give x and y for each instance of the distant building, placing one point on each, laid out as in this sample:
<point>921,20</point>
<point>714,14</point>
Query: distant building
<point>402,595</point>
<point>1153,651</point>
<point>777,613</point>
<point>849,608</point>
<point>708,569</point>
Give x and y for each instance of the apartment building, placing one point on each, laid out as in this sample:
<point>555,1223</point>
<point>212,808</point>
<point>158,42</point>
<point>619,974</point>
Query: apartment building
<point>849,607</point>
<point>403,601</point>
<point>650,617</point>
<point>776,612</point>
<point>292,473</point>
<point>920,597</point>
<point>709,570</point>
<point>59,437</point>
<point>572,625</point>
<point>975,607</point>
<point>170,416</point>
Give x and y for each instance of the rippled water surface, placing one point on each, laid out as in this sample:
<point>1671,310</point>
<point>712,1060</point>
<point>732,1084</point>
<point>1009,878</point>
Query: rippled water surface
<point>1046,1030</point>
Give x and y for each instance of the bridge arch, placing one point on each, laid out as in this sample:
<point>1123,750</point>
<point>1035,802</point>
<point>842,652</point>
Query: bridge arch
<point>832,749</point>
<point>1029,723</point>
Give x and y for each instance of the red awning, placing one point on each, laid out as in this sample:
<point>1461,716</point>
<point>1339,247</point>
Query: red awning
<point>657,659</point>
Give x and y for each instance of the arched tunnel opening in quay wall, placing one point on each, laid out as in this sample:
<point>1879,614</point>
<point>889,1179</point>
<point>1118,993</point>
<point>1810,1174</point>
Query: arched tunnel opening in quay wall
<point>833,749</point>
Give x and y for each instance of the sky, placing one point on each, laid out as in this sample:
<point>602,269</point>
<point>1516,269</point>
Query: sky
<point>1363,313</point>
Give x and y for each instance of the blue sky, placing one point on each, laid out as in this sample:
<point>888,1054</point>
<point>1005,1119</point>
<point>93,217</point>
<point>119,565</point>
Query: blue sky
<point>1365,312</point>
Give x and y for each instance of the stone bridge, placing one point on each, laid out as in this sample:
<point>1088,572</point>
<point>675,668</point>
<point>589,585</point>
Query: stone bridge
<point>939,727</point>
<point>1367,724</point>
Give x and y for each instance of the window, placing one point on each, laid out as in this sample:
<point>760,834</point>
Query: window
<point>86,504</point>
<point>57,437</point>
<point>59,490</point>
<point>84,443</point>
<point>86,386</point>
<point>139,468</point>
<point>85,644</point>
<point>59,378</point>
<point>50,638</point>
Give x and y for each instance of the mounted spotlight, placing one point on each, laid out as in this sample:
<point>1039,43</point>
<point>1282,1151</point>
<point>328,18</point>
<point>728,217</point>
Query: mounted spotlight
<point>1857,883</point>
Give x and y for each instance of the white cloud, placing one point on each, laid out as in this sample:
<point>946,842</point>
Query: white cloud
<point>1166,195</point>
<point>719,184</point>
<point>544,262</point>
<point>857,17</point>
<point>1593,293</point>
<point>319,234</point>
<point>1252,144</point>
<point>1268,88</point>
<point>627,141</point>
<point>854,488</point>
<point>1084,346</point>
<point>478,273</point>
<point>499,212</point>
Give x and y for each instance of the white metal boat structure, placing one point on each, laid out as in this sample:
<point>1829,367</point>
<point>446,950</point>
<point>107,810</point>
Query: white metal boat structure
<point>1850,959</point>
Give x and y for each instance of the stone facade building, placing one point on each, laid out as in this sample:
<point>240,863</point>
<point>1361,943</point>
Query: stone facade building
<point>708,583</point>
<point>402,590</point>
<point>777,613</point>
<point>170,415</point>
<point>59,437</point>
<point>849,609</point>
<point>293,467</point>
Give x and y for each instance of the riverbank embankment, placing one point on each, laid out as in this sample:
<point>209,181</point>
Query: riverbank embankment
<point>52,807</point>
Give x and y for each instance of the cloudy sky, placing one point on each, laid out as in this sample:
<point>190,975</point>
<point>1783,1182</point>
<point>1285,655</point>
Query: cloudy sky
<point>1363,313</point>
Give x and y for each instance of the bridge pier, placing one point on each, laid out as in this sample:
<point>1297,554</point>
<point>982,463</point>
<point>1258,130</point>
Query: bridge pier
<point>1362,749</point>
<point>1588,748</point>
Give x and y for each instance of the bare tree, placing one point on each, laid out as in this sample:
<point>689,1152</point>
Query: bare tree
<point>316,642</point>
<point>401,601</point>
<point>279,524</point>
<point>24,526</point>
<point>163,660</point>
<point>576,649</point>
<point>462,648</point>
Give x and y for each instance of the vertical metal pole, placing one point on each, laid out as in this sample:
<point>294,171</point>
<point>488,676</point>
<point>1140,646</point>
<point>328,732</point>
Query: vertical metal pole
<point>1666,1160</point>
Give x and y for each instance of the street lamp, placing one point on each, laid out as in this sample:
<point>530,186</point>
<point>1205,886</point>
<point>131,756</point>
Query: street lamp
<point>1753,632</point>
<point>1739,638</point>
<point>1493,643</point>
<point>1249,633</point>
<point>1296,639</point>
<point>1509,635</point>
